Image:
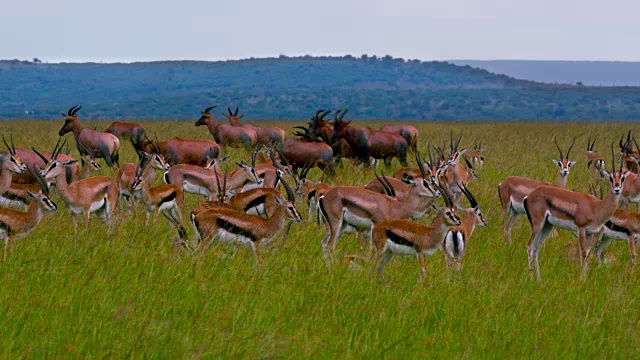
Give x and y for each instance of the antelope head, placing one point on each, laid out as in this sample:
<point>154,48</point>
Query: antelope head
<point>435,168</point>
<point>87,157</point>
<point>233,117</point>
<point>54,167</point>
<point>454,152</point>
<point>250,170</point>
<point>449,211</point>
<point>42,198</point>
<point>302,183</point>
<point>425,188</point>
<point>156,161</point>
<point>479,220</point>
<point>206,116</point>
<point>591,153</point>
<point>340,125</point>
<point>10,159</point>
<point>564,163</point>
<point>289,202</point>
<point>139,179</point>
<point>616,178</point>
<point>471,170</point>
<point>70,119</point>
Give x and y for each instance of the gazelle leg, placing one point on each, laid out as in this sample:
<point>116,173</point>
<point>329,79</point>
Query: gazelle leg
<point>632,248</point>
<point>146,222</point>
<point>599,248</point>
<point>87,219</point>
<point>539,232</point>
<point>582,236</point>
<point>421,264</point>
<point>156,215</point>
<point>510,220</point>
<point>382,261</point>
<point>256,252</point>
<point>7,247</point>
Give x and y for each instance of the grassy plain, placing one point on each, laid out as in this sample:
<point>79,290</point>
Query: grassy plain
<point>132,296</point>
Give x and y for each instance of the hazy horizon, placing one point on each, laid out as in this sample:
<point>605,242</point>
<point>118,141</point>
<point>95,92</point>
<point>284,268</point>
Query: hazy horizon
<point>125,31</point>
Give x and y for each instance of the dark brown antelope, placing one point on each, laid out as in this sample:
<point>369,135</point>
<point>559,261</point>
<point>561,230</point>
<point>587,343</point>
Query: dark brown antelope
<point>97,194</point>
<point>226,134</point>
<point>318,128</point>
<point>16,224</point>
<point>345,206</point>
<point>234,226</point>
<point>514,189</point>
<point>408,132</point>
<point>299,152</point>
<point>550,206</point>
<point>104,145</point>
<point>267,135</point>
<point>396,236</point>
<point>180,151</point>
<point>125,129</point>
<point>368,142</point>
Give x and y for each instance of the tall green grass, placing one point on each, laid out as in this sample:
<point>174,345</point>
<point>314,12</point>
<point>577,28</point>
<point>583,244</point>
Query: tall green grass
<point>133,295</point>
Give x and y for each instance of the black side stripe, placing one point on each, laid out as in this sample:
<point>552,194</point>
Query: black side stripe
<point>6,228</point>
<point>562,211</point>
<point>167,198</point>
<point>234,229</point>
<point>15,197</point>
<point>312,193</point>
<point>350,203</point>
<point>618,228</point>
<point>255,202</point>
<point>397,239</point>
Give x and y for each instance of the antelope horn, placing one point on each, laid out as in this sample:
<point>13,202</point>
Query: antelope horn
<point>384,184</point>
<point>43,184</point>
<point>325,113</point>
<point>236,113</point>
<point>70,110</point>
<point>7,145</point>
<point>429,152</point>
<point>613,160</point>
<point>13,146</point>
<point>472,200</point>
<point>54,154</point>
<point>156,145</point>
<point>344,112</point>
<point>393,190</point>
<point>558,146</point>
<point>207,110</point>
<point>40,155</point>
<point>290,196</point>
<point>458,142</point>
<point>220,197</point>
<point>451,141</point>
<point>229,110</point>
<point>254,154</point>
<point>283,159</point>
<point>571,147</point>
<point>317,114</point>
<point>76,110</point>
<point>421,165</point>
<point>448,201</point>
<point>467,162</point>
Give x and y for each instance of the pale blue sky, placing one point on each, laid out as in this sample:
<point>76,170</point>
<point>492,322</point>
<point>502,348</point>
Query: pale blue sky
<point>119,30</point>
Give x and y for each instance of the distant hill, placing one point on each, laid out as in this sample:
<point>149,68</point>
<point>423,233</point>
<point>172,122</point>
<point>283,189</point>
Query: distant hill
<point>597,73</point>
<point>292,88</point>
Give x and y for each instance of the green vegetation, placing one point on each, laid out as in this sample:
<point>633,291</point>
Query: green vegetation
<point>133,295</point>
<point>292,88</point>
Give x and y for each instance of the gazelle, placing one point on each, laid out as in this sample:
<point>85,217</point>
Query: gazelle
<point>166,198</point>
<point>237,227</point>
<point>549,206</point>
<point>595,162</point>
<point>345,206</point>
<point>10,164</point>
<point>201,181</point>
<point>127,175</point>
<point>476,156</point>
<point>623,225</point>
<point>434,169</point>
<point>456,174</point>
<point>403,237</point>
<point>514,189</point>
<point>95,194</point>
<point>631,190</point>
<point>104,145</point>
<point>16,224</point>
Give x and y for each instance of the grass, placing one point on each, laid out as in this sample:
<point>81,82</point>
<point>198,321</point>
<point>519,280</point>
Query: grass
<point>133,296</point>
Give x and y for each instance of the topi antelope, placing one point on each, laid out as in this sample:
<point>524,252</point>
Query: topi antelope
<point>514,189</point>
<point>180,151</point>
<point>95,194</point>
<point>403,237</point>
<point>368,142</point>
<point>267,135</point>
<point>16,224</point>
<point>234,226</point>
<point>226,134</point>
<point>408,132</point>
<point>104,145</point>
<point>550,206</point>
<point>125,129</point>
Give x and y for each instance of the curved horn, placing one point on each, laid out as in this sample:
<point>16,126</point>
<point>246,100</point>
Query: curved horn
<point>70,110</point>
<point>472,200</point>
<point>421,165</point>
<point>344,112</point>
<point>458,142</point>
<point>44,188</point>
<point>571,147</point>
<point>451,141</point>
<point>229,110</point>
<point>558,146</point>
<point>76,110</point>
<point>315,116</point>
<point>613,161</point>
<point>383,183</point>
<point>448,201</point>
<point>207,110</point>
<point>393,190</point>
<point>290,196</point>
<point>325,113</point>
<point>7,145</point>
<point>40,155</point>
<point>236,113</point>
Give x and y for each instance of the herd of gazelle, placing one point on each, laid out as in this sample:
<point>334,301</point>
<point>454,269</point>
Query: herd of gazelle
<point>245,207</point>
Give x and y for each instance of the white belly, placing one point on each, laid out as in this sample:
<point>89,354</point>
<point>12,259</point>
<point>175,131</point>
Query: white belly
<point>95,206</point>
<point>251,186</point>
<point>401,249</point>
<point>195,189</point>
<point>356,221</point>
<point>257,210</point>
<point>232,239</point>
<point>517,206</point>
<point>167,205</point>
<point>616,235</point>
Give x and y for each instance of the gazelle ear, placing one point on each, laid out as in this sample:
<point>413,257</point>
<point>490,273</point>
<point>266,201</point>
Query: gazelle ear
<point>606,174</point>
<point>32,195</point>
<point>69,162</point>
<point>461,208</point>
<point>571,163</point>
<point>278,199</point>
<point>462,152</point>
<point>624,175</point>
<point>4,156</point>
<point>223,159</point>
<point>557,162</point>
<point>408,180</point>
<point>240,117</point>
<point>241,164</point>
